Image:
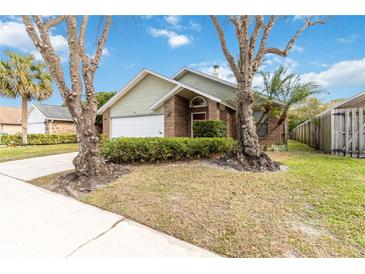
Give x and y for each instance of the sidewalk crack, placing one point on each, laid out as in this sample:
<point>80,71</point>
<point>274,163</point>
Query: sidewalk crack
<point>97,236</point>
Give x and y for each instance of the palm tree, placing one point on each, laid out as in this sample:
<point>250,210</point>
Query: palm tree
<point>287,88</point>
<point>21,76</point>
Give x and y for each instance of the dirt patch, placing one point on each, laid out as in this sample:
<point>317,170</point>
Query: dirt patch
<point>68,184</point>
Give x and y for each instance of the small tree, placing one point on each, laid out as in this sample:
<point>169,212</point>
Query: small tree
<point>82,67</point>
<point>102,97</point>
<point>21,76</point>
<point>288,88</point>
<point>252,50</point>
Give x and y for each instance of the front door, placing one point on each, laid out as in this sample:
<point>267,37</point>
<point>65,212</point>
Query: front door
<point>198,116</point>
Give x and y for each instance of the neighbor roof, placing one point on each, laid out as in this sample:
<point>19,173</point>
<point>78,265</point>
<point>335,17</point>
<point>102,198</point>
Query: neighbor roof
<point>54,112</point>
<point>10,116</point>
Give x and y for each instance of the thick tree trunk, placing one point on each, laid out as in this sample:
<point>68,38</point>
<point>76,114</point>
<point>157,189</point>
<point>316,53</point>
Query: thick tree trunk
<point>88,162</point>
<point>24,120</point>
<point>249,152</point>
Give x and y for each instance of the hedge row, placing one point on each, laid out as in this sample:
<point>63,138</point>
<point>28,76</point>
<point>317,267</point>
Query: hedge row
<point>123,150</point>
<point>209,128</point>
<point>38,139</point>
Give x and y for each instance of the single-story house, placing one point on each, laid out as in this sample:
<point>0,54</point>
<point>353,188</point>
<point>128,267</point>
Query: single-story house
<point>155,105</point>
<point>10,120</point>
<point>339,130</point>
<point>50,119</point>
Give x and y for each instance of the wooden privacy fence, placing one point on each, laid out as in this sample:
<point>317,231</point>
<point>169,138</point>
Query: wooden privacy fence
<point>339,131</point>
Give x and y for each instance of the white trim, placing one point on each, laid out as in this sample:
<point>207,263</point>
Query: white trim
<point>32,106</point>
<point>193,106</point>
<point>172,92</point>
<point>176,90</point>
<point>123,91</point>
<point>191,120</point>
<point>182,71</point>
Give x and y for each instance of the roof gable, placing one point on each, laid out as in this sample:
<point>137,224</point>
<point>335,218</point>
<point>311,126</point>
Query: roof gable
<point>9,115</point>
<point>54,112</point>
<point>127,88</point>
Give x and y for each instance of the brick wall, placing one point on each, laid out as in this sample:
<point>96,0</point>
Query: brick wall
<point>228,116</point>
<point>60,127</point>
<point>274,137</point>
<point>213,110</point>
<point>177,117</point>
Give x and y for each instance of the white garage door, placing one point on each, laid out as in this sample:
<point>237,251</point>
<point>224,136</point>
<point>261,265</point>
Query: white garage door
<point>34,128</point>
<point>144,126</point>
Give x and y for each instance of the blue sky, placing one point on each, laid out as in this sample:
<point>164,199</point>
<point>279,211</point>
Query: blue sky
<point>333,55</point>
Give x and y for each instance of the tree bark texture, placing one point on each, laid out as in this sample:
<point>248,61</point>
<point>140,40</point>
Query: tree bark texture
<point>88,163</point>
<point>24,120</point>
<point>249,153</point>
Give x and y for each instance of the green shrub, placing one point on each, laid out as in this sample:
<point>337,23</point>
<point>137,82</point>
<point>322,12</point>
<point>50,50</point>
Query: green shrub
<point>209,128</point>
<point>38,139</point>
<point>123,150</point>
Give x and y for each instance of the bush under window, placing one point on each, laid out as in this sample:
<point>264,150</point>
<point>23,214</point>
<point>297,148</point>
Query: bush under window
<point>209,129</point>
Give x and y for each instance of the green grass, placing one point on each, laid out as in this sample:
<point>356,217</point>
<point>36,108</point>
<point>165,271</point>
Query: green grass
<point>23,152</point>
<point>315,209</point>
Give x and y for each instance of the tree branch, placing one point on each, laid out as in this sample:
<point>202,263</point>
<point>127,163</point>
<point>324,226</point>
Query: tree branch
<point>53,22</point>
<point>99,50</point>
<point>255,35</point>
<point>43,43</point>
<point>74,67</point>
<point>225,50</point>
<point>284,52</point>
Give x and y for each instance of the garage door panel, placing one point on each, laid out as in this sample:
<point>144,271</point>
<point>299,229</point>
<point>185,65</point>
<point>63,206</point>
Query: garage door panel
<point>144,126</point>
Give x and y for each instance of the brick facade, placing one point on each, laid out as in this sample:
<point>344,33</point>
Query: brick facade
<point>177,117</point>
<point>60,127</point>
<point>278,136</point>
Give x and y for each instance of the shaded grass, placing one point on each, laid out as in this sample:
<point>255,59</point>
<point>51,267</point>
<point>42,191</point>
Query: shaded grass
<point>316,209</point>
<point>23,152</point>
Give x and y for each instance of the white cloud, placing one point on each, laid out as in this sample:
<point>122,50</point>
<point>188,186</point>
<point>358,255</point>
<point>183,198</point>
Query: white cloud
<point>298,49</point>
<point>105,52</point>
<point>299,17</point>
<point>13,34</point>
<point>285,61</point>
<point>194,26</point>
<point>174,40</point>
<point>173,20</point>
<point>349,72</point>
<point>348,40</point>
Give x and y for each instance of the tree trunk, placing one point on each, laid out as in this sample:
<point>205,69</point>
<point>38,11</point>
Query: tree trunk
<point>249,152</point>
<point>88,162</point>
<point>24,120</point>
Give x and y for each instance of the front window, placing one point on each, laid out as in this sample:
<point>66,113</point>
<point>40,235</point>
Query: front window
<point>198,102</point>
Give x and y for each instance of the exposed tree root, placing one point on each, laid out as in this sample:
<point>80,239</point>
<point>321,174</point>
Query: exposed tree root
<point>76,186</point>
<point>242,162</point>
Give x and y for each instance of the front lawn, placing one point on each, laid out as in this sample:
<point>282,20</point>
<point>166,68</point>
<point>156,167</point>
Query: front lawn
<point>22,152</point>
<point>315,209</point>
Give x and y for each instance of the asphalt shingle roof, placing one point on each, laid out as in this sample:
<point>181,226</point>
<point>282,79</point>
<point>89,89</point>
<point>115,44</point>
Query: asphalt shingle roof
<point>9,115</point>
<point>54,112</point>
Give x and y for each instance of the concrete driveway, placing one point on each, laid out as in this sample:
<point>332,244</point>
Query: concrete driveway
<point>38,222</point>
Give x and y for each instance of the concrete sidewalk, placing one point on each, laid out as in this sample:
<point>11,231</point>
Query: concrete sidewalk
<point>38,222</point>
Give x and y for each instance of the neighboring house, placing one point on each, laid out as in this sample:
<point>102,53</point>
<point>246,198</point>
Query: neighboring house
<point>50,120</point>
<point>10,120</point>
<point>155,105</point>
<point>339,130</point>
